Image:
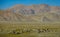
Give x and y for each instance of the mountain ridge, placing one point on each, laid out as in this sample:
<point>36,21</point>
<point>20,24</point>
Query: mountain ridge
<point>39,13</point>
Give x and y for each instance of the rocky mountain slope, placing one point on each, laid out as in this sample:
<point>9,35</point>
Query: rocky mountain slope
<point>39,13</point>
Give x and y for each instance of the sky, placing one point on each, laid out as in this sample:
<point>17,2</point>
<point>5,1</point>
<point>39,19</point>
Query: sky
<point>4,4</point>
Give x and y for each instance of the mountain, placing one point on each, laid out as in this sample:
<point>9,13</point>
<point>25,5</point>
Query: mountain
<point>39,13</point>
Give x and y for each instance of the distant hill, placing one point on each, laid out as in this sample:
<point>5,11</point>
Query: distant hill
<point>39,13</point>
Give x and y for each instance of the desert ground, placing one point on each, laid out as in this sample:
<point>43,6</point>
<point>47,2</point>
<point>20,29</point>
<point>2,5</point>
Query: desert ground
<point>29,29</point>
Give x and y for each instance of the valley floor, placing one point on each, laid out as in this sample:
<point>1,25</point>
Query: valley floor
<point>29,29</point>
